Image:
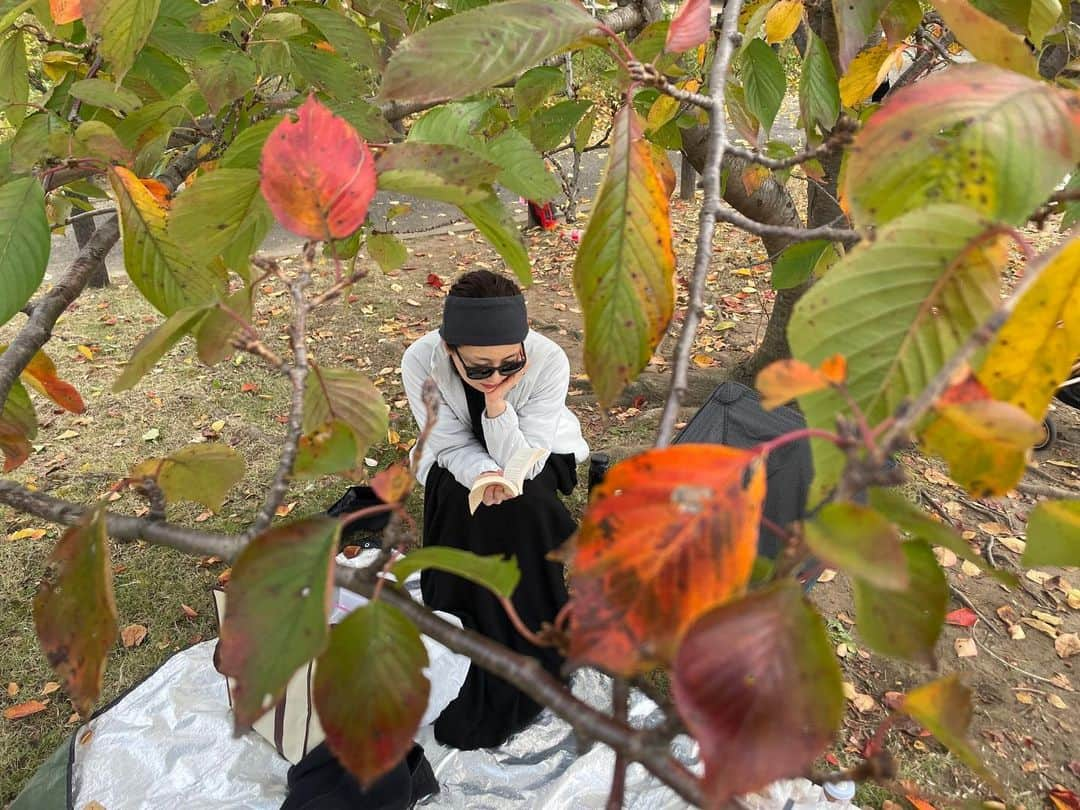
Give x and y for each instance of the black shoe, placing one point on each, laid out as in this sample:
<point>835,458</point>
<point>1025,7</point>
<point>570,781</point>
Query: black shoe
<point>598,467</point>
<point>365,532</point>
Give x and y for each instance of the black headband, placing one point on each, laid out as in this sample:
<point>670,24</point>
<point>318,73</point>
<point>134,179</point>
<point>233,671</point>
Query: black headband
<point>484,321</point>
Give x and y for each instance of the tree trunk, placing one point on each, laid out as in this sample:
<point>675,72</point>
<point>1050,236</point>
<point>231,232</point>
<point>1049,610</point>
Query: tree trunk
<point>84,229</point>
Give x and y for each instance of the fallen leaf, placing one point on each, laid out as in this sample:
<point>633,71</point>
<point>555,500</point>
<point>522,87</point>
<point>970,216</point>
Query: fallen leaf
<point>1064,799</point>
<point>945,558</point>
<point>1073,598</point>
<point>994,528</point>
<point>85,351</point>
<point>965,648</point>
<point>133,635</point>
<point>84,738</point>
<point>1056,702</point>
<point>12,689</point>
<point>919,804</point>
<point>1049,618</point>
<point>27,534</point>
<point>1042,627</point>
<point>189,611</point>
<point>964,617</point>
<point>67,434</point>
<point>21,710</point>
<point>1013,544</point>
<point>1025,697</point>
<point>1061,682</point>
<point>49,688</point>
<point>1038,577</point>
<point>864,703</point>
<point>433,280</point>
<point>828,575</point>
<point>151,435</point>
<point>970,569</point>
<point>1067,645</point>
<point>224,577</point>
<point>247,387</point>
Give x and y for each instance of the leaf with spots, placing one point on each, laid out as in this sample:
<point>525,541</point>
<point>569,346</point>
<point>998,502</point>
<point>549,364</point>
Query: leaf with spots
<point>944,708</point>
<point>393,484</point>
<point>328,449</point>
<point>987,138</point>
<point>625,268</point>
<point>203,473</point>
<point>75,610</point>
<point>988,39</point>
<point>477,49</point>
<point>436,171</point>
<point>163,271</point>
<point>370,689</point>
<point>18,425</point>
<point>745,673</point>
<point>346,395</point>
<point>41,375</point>
<point>318,176</point>
<point>124,26</point>
<point>218,210</point>
<point>668,535</point>
<point>278,607</point>
<point>898,308</point>
<point>906,623</point>
<point>1035,350</point>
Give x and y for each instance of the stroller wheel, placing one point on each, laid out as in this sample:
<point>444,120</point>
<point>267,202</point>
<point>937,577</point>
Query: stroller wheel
<point>1049,435</point>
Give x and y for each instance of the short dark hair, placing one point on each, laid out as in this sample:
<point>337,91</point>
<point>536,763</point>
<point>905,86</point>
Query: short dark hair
<point>484,284</point>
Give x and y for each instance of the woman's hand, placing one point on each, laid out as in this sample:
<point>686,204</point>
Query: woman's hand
<point>495,494</point>
<point>495,399</point>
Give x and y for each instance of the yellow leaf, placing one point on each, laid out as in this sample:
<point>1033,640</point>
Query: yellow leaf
<point>85,351</point>
<point>1036,348</point>
<point>663,110</point>
<point>782,20</point>
<point>861,79</point>
<point>27,534</point>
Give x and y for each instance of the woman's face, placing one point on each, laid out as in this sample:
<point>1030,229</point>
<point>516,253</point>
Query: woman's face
<point>490,356</point>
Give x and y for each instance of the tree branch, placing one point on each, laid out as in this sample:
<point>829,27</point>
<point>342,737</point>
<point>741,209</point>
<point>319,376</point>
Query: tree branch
<point>707,223</point>
<point>620,694</point>
<point>846,235</point>
<point>840,136</point>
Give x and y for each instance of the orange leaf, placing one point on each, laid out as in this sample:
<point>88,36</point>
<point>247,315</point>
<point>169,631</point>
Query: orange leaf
<point>785,380</point>
<point>1064,799</point>
<point>133,635</point>
<point>835,369</point>
<point>689,27</point>
<point>65,11</point>
<point>41,373</point>
<point>317,174</point>
<point>189,611</point>
<point>965,389</point>
<point>668,535</point>
<point>20,710</point>
<point>919,804</point>
<point>158,190</point>
<point>393,483</point>
<point>14,444</point>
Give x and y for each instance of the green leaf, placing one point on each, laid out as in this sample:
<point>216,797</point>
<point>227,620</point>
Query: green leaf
<point>329,449</point>
<point>12,11</point>
<point>988,39</point>
<point>914,522</point>
<point>1072,208</point>
<point>437,172</point>
<point>75,610</point>
<point>584,130</point>
<point>387,250</point>
<point>215,333</point>
<point>859,541</point>
<point>1043,18</point>
<point>24,243</point>
<point>155,345</point>
<point>474,50</point>
<point>549,127</point>
<point>534,87</point>
<point>245,151</point>
<point>326,71</point>
<point>371,729</point>
<point>1015,138</point>
<point>390,12</point>
<point>796,263</point>
<point>281,24</point>
<point>277,612</point>
<point>1053,534</point>
<point>896,308</point>
<point>764,81</point>
<point>905,624</point>
<point>944,708</point>
<point>854,24</point>
<point>207,217</point>
<point>124,26</point>
<point>203,473</point>
<point>223,74</point>
<point>523,169</point>
<point>900,20</point>
<point>739,703</point>
<point>14,82</point>
<point>819,89</point>
<point>18,425</point>
<point>498,574</point>
<point>366,118</point>
<point>338,393</point>
<point>349,39</point>
<point>100,93</point>
<point>497,224</point>
<point>625,267</point>
<point>163,272</point>
<point>31,142</point>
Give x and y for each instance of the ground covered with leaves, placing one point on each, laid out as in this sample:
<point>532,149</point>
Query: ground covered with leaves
<point>1017,647</point>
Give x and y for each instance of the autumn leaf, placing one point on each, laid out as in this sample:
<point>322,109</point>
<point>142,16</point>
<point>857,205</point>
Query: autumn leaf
<point>739,701</point>
<point>689,27</point>
<point>318,176</point>
<point>1064,799</point>
<point>963,617</point>
<point>782,20</point>
<point>40,373</point>
<point>988,39</point>
<point>65,11</point>
<point>669,534</point>
<point>133,635</point>
<point>864,73</point>
<point>75,610</point>
<point>785,380</point>
<point>21,710</point>
<point>393,484</point>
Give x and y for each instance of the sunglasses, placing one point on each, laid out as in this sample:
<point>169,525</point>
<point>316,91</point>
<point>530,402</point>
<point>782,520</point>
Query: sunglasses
<point>483,372</point>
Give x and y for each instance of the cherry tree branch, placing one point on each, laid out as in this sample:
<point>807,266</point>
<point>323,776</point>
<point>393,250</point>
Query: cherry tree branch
<point>707,222</point>
<point>840,137</point>
<point>620,696</point>
<point>846,235</point>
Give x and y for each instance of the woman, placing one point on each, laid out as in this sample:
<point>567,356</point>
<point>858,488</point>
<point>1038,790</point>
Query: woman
<point>502,388</point>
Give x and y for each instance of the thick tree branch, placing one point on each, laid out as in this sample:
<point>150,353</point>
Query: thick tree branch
<point>620,694</point>
<point>707,223</point>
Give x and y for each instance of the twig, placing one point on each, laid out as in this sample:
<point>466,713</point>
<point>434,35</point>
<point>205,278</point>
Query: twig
<point>717,145</point>
<point>1014,667</point>
<point>96,212</point>
<point>1053,205</point>
<point>846,235</point>
<point>297,374</point>
<point>840,136</point>
<point>651,77</point>
<point>620,693</point>
<point>429,395</point>
<point>95,66</point>
<point>1044,491</point>
<point>520,626</point>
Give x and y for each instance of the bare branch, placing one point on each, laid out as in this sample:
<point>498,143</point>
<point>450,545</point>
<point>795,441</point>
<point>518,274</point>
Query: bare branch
<point>707,223</point>
<point>620,694</point>
<point>651,77</point>
<point>95,212</point>
<point>840,136</point>
<point>846,235</point>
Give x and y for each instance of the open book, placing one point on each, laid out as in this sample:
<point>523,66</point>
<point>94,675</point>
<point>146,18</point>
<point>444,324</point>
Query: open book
<point>512,478</point>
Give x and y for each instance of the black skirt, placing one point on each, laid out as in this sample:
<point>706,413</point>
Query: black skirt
<point>488,709</point>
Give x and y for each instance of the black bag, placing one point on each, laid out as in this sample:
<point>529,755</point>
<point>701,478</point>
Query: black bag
<point>367,531</point>
<point>319,782</point>
<point>733,416</point>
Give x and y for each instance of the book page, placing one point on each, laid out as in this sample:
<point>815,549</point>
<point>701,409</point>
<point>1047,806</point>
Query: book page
<point>476,494</point>
<point>519,466</point>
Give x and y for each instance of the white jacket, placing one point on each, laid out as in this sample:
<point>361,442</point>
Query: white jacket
<point>536,414</point>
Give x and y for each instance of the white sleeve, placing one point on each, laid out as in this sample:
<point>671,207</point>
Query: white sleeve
<point>535,423</point>
<point>451,443</point>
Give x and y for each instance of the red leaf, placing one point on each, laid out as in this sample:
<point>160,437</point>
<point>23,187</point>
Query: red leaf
<point>41,373</point>
<point>1064,799</point>
<point>668,535</point>
<point>65,11</point>
<point>967,389</point>
<point>14,444</point>
<point>964,617</point>
<point>433,280</point>
<point>21,710</point>
<point>689,27</point>
<point>317,174</point>
<point>248,387</point>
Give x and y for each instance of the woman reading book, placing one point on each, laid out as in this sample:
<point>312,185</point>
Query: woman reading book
<point>502,405</point>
